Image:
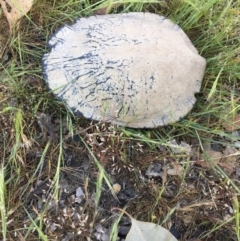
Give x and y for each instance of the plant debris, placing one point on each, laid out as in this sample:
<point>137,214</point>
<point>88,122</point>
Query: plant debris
<point>15,10</point>
<point>144,231</point>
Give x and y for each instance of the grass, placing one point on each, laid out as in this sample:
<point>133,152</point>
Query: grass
<point>2,203</point>
<point>33,165</point>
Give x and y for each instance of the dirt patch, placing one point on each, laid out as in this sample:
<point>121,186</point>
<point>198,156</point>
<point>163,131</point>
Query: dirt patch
<point>200,198</point>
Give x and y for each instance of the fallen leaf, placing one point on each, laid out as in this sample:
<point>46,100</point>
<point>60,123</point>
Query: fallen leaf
<point>229,161</point>
<point>105,9</point>
<point>232,124</point>
<point>231,153</point>
<point>144,231</point>
<point>210,159</point>
<point>15,9</point>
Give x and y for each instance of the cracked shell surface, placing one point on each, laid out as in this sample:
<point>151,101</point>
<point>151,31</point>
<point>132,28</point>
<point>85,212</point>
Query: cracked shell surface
<point>133,69</point>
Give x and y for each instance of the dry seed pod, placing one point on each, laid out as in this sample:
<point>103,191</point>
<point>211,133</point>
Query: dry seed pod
<point>133,69</point>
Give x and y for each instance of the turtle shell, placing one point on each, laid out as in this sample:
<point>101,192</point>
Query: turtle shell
<point>133,69</point>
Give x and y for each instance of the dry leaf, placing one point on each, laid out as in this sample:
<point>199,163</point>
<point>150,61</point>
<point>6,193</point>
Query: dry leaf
<point>231,154</point>
<point>214,157</point>
<point>144,231</point>
<point>15,9</point>
<point>209,158</point>
<point>229,161</point>
<point>102,10</point>
<point>232,124</point>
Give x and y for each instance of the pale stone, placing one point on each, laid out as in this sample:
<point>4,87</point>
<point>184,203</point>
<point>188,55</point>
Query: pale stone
<point>134,69</point>
<point>116,188</point>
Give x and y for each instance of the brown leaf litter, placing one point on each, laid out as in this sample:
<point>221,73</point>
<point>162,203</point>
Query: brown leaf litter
<point>15,10</point>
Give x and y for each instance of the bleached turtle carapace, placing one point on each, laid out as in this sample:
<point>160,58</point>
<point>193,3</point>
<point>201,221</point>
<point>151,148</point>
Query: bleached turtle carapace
<point>133,69</point>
